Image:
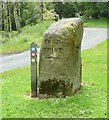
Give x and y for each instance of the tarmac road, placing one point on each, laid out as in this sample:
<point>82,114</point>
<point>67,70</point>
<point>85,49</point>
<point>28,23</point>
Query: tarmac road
<point>91,38</point>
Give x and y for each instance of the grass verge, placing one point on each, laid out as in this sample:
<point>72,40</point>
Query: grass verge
<point>21,42</point>
<point>98,23</point>
<point>89,102</point>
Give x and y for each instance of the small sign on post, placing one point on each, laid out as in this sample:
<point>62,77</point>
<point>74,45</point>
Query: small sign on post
<point>33,49</point>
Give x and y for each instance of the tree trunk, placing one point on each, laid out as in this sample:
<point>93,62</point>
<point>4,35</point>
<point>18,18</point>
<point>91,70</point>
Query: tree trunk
<point>19,14</point>
<point>16,16</point>
<point>0,16</point>
<point>5,20</point>
<point>10,23</point>
<point>41,7</point>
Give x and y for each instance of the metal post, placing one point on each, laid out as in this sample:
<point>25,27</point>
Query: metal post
<point>33,53</point>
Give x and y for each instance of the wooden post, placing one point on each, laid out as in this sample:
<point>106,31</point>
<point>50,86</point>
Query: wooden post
<point>33,50</point>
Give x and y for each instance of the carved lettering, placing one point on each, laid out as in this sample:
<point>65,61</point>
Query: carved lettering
<point>60,50</point>
<point>56,49</point>
<point>53,50</point>
<point>49,49</point>
<point>58,41</point>
<point>47,41</point>
<point>45,50</point>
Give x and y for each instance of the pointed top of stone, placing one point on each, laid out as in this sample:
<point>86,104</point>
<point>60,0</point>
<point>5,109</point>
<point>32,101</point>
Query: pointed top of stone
<point>56,27</point>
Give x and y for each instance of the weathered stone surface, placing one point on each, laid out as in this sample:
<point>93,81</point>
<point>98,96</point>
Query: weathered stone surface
<point>60,58</point>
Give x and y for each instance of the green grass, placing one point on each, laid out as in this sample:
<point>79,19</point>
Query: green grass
<point>98,23</point>
<point>21,42</point>
<point>89,102</point>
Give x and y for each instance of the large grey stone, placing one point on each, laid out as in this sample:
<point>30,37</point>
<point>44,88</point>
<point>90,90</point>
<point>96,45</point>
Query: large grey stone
<point>60,58</point>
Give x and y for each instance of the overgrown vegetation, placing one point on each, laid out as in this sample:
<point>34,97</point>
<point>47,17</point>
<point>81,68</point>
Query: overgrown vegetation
<point>89,102</point>
<point>21,42</point>
<point>16,15</point>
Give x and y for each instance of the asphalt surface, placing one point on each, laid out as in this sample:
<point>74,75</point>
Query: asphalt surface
<point>91,38</point>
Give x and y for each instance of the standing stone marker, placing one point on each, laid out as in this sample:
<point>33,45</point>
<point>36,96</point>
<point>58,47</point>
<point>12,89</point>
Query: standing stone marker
<point>60,58</point>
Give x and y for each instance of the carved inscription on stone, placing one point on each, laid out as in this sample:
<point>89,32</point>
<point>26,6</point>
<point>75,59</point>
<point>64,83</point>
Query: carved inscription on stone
<point>52,47</point>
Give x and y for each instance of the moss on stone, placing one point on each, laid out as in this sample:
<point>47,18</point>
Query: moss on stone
<point>60,73</point>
